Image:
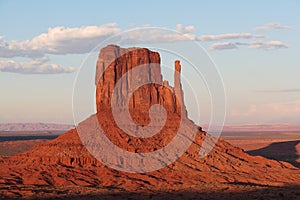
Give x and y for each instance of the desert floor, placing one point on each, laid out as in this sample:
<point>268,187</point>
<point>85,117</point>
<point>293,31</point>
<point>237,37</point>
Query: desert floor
<point>284,146</point>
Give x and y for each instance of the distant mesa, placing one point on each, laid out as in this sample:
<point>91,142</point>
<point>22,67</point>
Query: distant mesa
<point>65,161</point>
<point>35,127</point>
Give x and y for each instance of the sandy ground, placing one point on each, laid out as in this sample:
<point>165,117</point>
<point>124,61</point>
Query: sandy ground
<point>15,142</point>
<point>10,148</point>
<point>211,191</point>
<point>284,146</point>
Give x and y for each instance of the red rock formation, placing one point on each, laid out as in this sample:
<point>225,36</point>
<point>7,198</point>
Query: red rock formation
<point>65,161</point>
<point>115,62</point>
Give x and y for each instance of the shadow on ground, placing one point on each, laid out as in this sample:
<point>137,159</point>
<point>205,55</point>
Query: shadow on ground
<point>267,193</point>
<point>225,193</point>
<point>282,151</point>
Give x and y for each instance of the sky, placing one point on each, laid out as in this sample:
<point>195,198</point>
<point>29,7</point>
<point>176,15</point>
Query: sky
<point>254,45</point>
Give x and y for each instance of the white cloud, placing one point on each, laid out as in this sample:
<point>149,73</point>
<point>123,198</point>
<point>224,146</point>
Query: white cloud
<point>58,40</point>
<point>184,29</point>
<point>36,66</point>
<point>153,35</point>
<point>269,45</point>
<point>223,46</point>
<point>80,40</point>
<point>229,36</point>
<point>294,90</point>
<point>61,40</point>
<point>275,25</point>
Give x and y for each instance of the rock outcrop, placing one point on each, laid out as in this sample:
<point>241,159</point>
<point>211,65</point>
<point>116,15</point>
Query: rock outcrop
<point>65,161</point>
<point>121,71</point>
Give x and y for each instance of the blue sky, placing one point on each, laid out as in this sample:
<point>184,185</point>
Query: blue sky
<point>255,45</point>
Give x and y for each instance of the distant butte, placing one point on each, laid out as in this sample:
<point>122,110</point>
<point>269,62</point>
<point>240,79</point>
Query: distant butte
<point>65,161</point>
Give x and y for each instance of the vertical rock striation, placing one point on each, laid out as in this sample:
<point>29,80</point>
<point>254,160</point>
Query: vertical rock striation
<point>118,69</point>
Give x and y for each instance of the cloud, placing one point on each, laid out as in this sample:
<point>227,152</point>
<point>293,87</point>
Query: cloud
<point>62,40</point>
<point>275,25</point>
<point>184,29</point>
<point>223,46</point>
<point>279,91</point>
<point>36,66</point>
<point>59,40</point>
<point>153,35</point>
<point>269,45</point>
<point>229,36</point>
<point>80,40</point>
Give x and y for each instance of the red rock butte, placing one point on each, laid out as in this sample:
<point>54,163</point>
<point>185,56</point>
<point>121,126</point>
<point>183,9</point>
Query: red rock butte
<point>65,161</point>
<point>115,62</point>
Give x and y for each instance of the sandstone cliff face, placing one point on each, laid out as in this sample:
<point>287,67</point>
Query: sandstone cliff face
<point>130,68</point>
<point>65,161</point>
